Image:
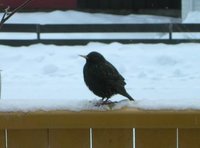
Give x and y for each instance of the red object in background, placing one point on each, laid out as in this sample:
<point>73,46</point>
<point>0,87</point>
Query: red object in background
<point>40,4</point>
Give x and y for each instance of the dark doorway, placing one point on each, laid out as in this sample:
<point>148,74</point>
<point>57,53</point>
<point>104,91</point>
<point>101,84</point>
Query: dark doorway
<point>151,6</point>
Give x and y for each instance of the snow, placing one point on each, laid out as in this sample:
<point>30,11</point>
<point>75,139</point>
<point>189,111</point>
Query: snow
<point>49,77</point>
<point>78,17</point>
<point>192,17</point>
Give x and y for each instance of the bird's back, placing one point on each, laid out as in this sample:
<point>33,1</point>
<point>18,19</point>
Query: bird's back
<point>103,79</point>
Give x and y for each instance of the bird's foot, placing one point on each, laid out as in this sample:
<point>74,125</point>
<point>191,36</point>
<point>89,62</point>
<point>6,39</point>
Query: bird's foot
<point>107,102</point>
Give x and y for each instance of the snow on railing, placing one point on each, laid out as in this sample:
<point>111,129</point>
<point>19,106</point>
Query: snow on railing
<point>127,128</point>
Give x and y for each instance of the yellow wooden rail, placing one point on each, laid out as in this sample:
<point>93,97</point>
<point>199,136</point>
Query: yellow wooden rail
<point>100,129</point>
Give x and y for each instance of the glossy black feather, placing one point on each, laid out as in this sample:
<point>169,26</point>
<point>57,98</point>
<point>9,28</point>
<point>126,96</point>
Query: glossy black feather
<point>102,78</point>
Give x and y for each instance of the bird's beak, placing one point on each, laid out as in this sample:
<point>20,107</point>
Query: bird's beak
<point>83,56</point>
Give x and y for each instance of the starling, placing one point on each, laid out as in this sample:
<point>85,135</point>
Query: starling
<point>102,78</point>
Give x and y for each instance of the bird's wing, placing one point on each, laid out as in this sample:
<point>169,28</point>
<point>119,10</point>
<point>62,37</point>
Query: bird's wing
<point>111,74</point>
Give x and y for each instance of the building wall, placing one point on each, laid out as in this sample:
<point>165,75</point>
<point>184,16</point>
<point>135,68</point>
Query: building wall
<point>157,7</point>
<point>188,6</point>
<point>40,4</point>
<point>196,5</point>
<point>94,4</point>
<point>129,4</point>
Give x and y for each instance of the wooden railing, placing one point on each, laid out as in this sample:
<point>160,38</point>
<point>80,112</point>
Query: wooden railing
<point>38,29</point>
<point>127,128</point>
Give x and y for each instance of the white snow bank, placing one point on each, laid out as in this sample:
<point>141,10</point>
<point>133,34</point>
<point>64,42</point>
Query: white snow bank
<point>82,105</point>
<point>192,17</point>
<point>77,17</point>
<point>49,77</point>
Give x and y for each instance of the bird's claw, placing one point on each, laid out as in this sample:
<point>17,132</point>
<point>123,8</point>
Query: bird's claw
<point>107,102</point>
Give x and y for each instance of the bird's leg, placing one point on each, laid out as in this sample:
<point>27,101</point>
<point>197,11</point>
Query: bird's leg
<point>100,102</point>
<point>107,102</point>
<point>102,99</point>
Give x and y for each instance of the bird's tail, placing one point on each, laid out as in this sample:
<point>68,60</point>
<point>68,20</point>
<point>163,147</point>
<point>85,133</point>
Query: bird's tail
<point>128,96</point>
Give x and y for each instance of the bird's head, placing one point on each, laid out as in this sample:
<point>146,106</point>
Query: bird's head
<point>94,57</point>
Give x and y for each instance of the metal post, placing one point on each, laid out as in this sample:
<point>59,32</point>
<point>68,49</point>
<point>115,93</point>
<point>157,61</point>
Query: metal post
<point>170,31</point>
<point>38,31</point>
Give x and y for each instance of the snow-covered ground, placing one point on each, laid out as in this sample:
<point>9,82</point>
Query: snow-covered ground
<point>78,17</point>
<point>49,77</point>
<point>192,17</point>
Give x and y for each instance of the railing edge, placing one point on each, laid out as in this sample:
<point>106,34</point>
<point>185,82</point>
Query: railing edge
<point>127,118</point>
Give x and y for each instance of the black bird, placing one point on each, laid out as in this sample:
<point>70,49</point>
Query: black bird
<point>102,78</point>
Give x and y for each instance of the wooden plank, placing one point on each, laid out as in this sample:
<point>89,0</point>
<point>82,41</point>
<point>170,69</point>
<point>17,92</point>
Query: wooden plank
<point>189,138</point>
<point>27,42</point>
<point>186,28</point>
<point>104,28</point>
<point>101,28</point>
<point>68,28</point>
<point>156,138</point>
<point>19,28</point>
<point>2,139</point>
<point>124,118</point>
<point>73,138</point>
<point>112,138</point>
<point>27,138</point>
